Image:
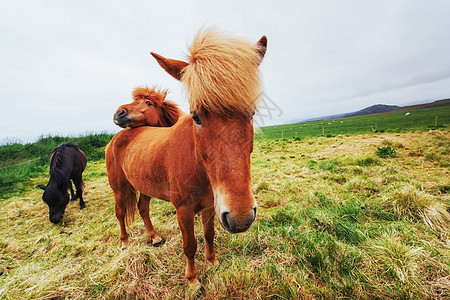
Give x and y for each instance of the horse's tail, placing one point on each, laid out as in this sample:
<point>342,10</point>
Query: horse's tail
<point>125,194</point>
<point>130,204</point>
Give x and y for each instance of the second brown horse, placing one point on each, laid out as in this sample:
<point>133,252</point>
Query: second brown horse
<point>149,108</point>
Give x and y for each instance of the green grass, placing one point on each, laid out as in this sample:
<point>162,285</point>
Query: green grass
<point>384,152</point>
<point>334,221</point>
<point>19,163</point>
<point>424,119</point>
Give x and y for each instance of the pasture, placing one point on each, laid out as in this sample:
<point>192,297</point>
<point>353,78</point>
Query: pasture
<point>19,163</point>
<point>419,119</point>
<point>334,221</point>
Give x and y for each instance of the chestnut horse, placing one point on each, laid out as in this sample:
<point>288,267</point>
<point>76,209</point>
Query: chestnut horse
<point>202,163</point>
<point>148,108</point>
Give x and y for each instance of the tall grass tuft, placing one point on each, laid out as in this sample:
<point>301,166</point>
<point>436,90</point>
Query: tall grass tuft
<point>397,260</point>
<point>437,217</point>
<point>406,201</point>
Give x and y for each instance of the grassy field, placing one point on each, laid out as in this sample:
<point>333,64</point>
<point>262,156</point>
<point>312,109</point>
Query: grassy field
<point>422,119</point>
<point>19,163</point>
<point>334,221</point>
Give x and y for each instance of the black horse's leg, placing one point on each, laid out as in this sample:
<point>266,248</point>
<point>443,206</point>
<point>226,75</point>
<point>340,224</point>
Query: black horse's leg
<point>72,195</point>
<point>79,186</point>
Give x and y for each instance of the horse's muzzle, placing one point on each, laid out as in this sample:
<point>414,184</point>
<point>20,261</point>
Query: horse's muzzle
<point>236,224</point>
<point>56,218</point>
<point>121,118</point>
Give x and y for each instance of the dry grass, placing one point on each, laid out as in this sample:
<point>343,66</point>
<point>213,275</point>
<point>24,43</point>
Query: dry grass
<point>437,217</point>
<point>332,223</point>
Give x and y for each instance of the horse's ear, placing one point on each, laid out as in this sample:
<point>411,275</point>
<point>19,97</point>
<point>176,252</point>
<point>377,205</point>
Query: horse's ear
<point>262,47</point>
<point>42,187</point>
<point>172,66</point>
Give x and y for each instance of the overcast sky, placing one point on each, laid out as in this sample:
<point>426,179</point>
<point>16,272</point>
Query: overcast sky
<point>67,65</point>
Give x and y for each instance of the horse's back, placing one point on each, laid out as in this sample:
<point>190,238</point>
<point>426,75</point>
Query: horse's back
<point>83,159</point>
<point>69,159</point>
<point>131,139</point>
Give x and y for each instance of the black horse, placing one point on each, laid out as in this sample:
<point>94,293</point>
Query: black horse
<point>67,162</point>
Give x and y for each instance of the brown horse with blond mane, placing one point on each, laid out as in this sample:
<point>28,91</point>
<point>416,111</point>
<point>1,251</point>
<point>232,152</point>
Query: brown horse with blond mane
<point>202,163</point>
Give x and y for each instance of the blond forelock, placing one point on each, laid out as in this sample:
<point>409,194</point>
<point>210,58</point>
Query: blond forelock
<point>222,75</point>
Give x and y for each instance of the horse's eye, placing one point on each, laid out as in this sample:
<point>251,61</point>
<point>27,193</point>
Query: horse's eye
<point>196,118</point>
<point>253,114</point>
<point>149,103</point>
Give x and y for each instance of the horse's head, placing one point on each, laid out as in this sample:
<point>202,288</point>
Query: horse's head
<point>148,108</point>
<point>57,198</point>
<point>223,84</point>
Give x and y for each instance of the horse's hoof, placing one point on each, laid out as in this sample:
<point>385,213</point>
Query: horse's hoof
<point>214,264</point>
<point>73,199</point>
<point>160,243</point>
<point>124,245</point>
<point>82,206</point>
<point>196,290</point>
<point>200,293</point>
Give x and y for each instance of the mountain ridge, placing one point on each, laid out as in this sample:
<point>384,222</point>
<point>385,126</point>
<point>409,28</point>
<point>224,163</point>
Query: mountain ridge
<point>382,108</point>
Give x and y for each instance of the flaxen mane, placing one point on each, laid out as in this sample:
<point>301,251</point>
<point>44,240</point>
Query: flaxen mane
<point>222,75</point>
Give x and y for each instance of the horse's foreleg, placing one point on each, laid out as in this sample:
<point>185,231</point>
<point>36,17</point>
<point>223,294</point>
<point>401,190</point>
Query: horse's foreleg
<point>186,221</point>
<point>208,232</point>
<point>143,206</point>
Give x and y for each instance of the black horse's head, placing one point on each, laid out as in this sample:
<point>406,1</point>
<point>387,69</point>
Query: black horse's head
<point>57,198</point>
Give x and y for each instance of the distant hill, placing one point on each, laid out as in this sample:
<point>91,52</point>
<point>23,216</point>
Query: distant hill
<point>374,109</point>
<point>382,108</point>
<point>438,103</point>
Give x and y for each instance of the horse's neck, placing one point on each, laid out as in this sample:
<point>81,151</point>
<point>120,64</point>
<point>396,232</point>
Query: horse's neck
<point>59,182</point>
<point>176,139</point>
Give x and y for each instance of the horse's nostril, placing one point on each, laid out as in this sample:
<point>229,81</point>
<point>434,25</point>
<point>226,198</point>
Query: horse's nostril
<point>235,224</point>
<point>121,113</point>
<point>225,220</point>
